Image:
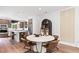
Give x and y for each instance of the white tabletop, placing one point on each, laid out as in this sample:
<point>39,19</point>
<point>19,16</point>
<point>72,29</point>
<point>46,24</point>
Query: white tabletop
<point>40,38</point>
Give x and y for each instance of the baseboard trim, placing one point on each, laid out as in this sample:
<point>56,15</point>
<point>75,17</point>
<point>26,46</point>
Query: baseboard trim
<point>70,44</point>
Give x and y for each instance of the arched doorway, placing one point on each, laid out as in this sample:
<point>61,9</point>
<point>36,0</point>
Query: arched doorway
<point>47,24</point>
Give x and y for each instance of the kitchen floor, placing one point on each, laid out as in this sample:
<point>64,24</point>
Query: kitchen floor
<point>9,46</point>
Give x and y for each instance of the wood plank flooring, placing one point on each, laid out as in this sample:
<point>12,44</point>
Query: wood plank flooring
<point>68,49</point>
<point>8,46</point>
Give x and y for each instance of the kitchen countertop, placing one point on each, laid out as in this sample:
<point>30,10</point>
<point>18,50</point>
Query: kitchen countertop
<point>18,30</point>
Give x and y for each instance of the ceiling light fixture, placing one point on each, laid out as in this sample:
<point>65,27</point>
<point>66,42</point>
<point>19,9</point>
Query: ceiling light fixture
<point>39,9</point>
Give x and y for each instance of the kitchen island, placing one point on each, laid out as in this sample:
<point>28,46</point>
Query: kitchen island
<point>16,34</point>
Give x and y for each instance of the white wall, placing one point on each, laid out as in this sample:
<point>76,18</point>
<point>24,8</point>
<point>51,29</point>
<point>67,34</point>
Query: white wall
<point>36,24</point>
<point>77,26</point>
<point>54,17</point>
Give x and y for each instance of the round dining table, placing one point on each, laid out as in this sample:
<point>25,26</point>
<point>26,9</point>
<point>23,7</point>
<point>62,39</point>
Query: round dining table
<point>39,41</point>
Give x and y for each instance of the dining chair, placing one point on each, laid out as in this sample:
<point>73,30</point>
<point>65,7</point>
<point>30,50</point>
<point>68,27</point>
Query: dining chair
<point>45,44</point>
<point>27,44</point>
<point>52,46</point>
<point>55,37</point>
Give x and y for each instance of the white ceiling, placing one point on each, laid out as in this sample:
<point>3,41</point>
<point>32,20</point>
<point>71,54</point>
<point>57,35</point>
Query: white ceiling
<point>25,12</point>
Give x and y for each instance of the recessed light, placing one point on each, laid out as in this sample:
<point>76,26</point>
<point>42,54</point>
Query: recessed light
<point>39,8</point>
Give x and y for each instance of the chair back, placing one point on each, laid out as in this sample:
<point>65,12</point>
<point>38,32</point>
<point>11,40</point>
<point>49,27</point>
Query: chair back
<point>53,44</point>
<point>56,37</point>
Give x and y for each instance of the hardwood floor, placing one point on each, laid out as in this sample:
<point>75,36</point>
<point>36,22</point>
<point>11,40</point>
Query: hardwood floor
<point>9,46</point>
<point>68,49</point>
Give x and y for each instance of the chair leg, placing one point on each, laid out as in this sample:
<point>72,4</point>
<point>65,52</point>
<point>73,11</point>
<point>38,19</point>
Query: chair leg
<point>57,48</point>
<point>25,46</point>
